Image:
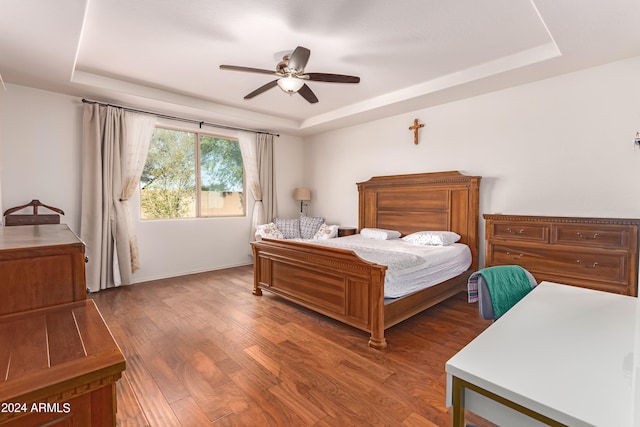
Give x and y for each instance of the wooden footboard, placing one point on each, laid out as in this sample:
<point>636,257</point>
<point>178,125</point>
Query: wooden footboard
<point>331,281</point>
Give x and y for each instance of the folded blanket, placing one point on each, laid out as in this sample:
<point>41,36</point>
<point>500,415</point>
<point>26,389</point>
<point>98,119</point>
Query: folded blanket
<point>506,284</point>
<point>472,287</point>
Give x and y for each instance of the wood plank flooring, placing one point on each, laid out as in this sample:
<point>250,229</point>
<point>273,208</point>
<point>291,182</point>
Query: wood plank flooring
<point>202,350</point>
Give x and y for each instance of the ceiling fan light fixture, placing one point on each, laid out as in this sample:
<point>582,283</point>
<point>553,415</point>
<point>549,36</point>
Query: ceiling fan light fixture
<point>290,84</point>
<point>292,77</point>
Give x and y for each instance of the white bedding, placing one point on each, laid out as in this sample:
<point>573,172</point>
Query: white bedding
<point>410,266</point>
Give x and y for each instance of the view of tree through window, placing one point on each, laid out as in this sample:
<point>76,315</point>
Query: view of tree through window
<point>179,163</point>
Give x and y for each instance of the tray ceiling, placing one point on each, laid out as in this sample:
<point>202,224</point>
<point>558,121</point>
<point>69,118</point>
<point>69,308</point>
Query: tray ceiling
<point>409,54</point>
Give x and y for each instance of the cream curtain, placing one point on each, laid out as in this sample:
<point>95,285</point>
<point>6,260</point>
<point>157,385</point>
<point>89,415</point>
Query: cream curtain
<point>257,157</point>
<point>139,130</point>
<point>115,145</point>
<point>266,173</point>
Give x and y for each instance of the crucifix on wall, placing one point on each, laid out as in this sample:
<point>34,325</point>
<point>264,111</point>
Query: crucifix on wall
<point>416,126</point>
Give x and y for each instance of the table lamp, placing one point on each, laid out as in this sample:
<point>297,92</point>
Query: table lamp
<point>302,194</point>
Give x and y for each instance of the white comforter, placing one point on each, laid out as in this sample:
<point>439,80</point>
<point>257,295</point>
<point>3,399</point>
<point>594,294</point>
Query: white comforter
<point>410,267</point>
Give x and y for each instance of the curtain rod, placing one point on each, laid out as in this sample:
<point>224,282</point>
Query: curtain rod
<point>181,119</point>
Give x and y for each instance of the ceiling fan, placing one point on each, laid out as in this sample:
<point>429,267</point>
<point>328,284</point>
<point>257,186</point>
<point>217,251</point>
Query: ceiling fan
<point>292,77</point>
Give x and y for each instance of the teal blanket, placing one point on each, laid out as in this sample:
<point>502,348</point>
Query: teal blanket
<point>507,285</point>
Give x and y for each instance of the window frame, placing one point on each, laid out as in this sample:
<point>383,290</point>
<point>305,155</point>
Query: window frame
<point>198,176</point>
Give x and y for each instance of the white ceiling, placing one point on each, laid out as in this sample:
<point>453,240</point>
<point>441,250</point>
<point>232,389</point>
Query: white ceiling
<point>164,55</point>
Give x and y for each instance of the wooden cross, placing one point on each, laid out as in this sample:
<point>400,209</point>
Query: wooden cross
<point>414,128</point>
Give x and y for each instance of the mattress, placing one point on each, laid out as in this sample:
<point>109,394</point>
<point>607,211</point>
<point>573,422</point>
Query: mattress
<point>410,267</point>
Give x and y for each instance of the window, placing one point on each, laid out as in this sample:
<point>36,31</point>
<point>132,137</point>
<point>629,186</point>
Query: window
<point>191,174</point>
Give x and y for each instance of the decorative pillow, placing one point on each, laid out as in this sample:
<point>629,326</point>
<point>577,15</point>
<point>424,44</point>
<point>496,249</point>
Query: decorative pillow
<point>326,232</point>
<point>379,233</point>
<point>432,238</point>
<point>290,228</point>
<point>309,226</point>
<point>269,230</point>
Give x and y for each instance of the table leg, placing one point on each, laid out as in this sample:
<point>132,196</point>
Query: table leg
<point>458,402</point>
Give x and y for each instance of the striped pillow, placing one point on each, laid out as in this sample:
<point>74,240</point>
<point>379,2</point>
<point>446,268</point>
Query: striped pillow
<point>290,228</point>
<point>309,226</point>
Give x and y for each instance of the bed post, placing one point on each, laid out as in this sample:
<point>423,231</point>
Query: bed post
<point>377,339</point>
<point>256,271</point>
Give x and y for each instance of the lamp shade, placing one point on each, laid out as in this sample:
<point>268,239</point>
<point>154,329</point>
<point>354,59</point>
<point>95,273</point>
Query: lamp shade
<point>302,193</point>
<point>290,84</point>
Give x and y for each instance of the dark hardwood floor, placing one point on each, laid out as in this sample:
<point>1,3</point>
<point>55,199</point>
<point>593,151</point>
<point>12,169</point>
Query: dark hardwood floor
<point>202,350</point>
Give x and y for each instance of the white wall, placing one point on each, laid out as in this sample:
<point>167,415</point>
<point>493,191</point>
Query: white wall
<point>40,158</point>
<point>562,146</point>
<point>40,150</point>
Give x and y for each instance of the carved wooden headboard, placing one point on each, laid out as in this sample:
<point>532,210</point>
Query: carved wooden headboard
<point>426,201</point>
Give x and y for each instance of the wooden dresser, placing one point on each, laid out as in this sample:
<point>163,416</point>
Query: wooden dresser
<point>596,253</point>
<point>40,266</point>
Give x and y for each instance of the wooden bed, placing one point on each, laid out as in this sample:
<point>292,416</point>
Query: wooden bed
<point>341,285</point>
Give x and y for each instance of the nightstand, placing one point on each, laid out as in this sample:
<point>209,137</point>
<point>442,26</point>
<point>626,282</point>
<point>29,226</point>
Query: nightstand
<point>346,231</point>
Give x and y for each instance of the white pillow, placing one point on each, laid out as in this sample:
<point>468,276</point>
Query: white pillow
<point>379,233</point>
<point>269,230</point>
<point>326,232</point>
<point>432,238</point>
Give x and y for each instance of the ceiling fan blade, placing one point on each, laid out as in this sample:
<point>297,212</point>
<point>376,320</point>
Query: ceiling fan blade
<point>308,94</point>
<point>261,89</point>
<point>248,69</point>
<point>299,59</point>
<point>332,78</point>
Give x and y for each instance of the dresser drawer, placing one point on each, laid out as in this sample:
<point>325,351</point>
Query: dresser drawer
<point>599,266</point>
<point>520,231</point>
<point>588,235</point>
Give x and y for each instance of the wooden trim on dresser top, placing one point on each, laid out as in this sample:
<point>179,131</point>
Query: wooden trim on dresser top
<point>564,219</point>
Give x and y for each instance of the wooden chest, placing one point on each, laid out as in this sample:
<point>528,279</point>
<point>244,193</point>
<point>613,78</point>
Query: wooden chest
<point>59,367</point>
<point>40,266</point>
<point>596,253</point>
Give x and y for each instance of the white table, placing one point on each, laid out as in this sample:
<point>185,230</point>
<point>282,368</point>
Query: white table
<point>562,356</point>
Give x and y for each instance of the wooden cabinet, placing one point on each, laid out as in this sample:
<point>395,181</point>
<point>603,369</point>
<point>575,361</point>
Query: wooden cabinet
<point>40,266</point>
<point>596,253</point>
<point>59,367</point>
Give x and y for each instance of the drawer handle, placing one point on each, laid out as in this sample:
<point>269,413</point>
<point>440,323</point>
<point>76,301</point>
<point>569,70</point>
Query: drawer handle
<point>594,265</point>
<point>521,231</point>
<point>516,256</point>
<point>582,236</point>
